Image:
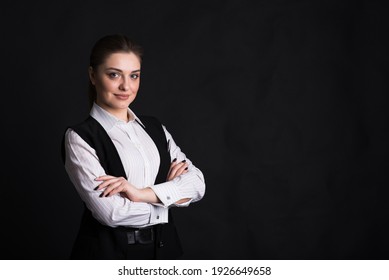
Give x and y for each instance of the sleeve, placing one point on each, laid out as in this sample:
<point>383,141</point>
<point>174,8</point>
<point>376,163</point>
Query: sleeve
<point>83,166</point>
<point>189,185</point>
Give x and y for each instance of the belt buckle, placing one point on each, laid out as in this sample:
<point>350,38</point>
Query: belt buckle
<point>131,237</point>
<point>144,236</point>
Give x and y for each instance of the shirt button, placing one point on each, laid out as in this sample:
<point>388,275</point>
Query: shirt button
<point>160,244</point>
<point>168,197</point>
<point>157,217</point>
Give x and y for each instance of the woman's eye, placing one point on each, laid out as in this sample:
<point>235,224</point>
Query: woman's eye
<point>113,75</point>
<point>134,76</point>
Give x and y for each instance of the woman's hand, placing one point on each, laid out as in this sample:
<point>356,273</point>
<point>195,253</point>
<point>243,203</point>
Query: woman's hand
<point>113,185</point>
<point>177,169</point>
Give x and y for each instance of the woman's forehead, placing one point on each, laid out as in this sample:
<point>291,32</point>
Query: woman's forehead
<point>122,61</point>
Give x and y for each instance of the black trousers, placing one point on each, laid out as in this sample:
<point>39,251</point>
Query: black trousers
<point>86,248</point>
<point>95,241</point>
<point>140,251</point>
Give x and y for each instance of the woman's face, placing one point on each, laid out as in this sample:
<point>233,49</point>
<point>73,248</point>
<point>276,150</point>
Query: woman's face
<point>116,81</point>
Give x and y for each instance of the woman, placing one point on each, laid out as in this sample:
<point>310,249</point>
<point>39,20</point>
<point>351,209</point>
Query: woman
<point>127,169</point>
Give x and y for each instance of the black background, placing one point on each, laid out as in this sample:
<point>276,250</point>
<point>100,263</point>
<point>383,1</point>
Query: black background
<point>281,104</point>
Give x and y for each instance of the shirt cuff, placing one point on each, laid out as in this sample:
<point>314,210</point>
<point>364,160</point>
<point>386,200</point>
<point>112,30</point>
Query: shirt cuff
<point>168,193</point>
<point>158,215</point>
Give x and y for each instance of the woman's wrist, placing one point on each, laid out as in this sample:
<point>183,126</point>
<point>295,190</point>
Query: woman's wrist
<point>142,195</point>
<point>148,195</point>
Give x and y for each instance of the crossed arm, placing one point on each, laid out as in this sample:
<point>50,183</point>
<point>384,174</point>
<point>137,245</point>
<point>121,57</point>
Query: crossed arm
<point>112,185</point>
<point>123,203</point>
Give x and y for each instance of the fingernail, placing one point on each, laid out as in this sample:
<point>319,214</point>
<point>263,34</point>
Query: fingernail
<point>186,168</point>
<point>102,194</point>
<point>174,160</point>
<point>184,160</point>
<point>96,188</point>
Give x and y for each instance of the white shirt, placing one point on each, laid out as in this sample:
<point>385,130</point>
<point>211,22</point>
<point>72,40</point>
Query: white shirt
<point>140,159</point>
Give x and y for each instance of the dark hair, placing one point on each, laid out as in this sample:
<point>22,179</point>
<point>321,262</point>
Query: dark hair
<point>106,46</point>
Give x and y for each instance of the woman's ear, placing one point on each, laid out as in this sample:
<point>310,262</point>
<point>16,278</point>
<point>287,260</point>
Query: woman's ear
<point>91,75</point>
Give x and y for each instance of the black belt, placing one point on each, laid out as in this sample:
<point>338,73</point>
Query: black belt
<point>140,235</point>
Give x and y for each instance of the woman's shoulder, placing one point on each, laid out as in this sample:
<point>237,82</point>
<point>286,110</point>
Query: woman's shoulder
<point>149,120</point>
<point>82,131</point>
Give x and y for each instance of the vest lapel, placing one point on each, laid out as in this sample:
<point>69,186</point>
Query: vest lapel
<point>154,129</point>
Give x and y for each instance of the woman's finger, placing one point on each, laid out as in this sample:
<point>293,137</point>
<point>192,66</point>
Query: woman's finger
<point>174,170</point>
<point>178,170</point>
<point>183,169</point>
<point>116,187</point>
<point>104,177</point>
<point>108,190</point>
<point>117,190</point>
<point>174,163</point>
<point>108,182</point>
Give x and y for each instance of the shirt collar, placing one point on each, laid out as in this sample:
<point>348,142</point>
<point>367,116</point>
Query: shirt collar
<point>107,120</point>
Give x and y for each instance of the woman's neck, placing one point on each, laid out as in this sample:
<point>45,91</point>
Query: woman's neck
<point>120,113</point>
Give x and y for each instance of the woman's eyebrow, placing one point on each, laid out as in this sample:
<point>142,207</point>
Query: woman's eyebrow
<point>119,70</point>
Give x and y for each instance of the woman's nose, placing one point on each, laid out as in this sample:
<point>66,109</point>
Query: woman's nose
<point>125,85</point>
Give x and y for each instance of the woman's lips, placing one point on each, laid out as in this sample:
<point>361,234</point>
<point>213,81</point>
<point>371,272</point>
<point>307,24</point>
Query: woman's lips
<point>122,96</point>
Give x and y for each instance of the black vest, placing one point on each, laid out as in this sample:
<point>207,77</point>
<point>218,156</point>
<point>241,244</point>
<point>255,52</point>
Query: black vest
<point>97,241</point>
